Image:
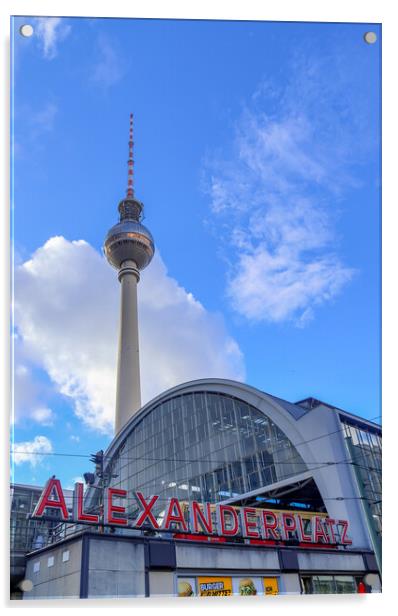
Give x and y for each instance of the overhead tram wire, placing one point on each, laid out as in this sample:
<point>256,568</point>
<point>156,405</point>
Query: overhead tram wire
<point>223,462</point>
<point>192,461</point>
<point>320,466</point>
<point>71,498</point>
<point>128,458</point>
<point>334,498</point>
<point>291,460</point>
<point>342,429</point>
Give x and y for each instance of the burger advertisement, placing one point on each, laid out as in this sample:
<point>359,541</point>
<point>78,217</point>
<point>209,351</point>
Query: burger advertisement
<point>227,586</point>
<point>215,586</point>
<point>246,587</point>
<point>186,587</point>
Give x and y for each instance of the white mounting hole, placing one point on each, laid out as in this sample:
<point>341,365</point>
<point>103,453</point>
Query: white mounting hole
<point>26,585</point>
<point>26,30</point>
<point>370,37</point>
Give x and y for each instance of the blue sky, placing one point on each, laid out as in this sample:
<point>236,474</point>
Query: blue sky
<point>257,159</point>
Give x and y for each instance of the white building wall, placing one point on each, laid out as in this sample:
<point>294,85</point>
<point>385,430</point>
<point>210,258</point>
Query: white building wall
<point>62,579</point>
<point>337,479</point>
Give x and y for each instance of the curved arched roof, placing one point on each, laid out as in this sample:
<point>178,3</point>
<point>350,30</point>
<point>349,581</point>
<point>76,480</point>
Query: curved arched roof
<point>282,412</point>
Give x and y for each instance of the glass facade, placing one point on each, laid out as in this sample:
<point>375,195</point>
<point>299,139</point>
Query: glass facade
<point>203,446</point>
<point>364,446</point>
<point>26,534</point>
<point>328,584</point>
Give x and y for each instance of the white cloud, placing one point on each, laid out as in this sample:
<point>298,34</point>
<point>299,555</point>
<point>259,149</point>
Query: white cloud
<point>29,393</point>
<point>67,312</point>
<point>277,286</point>
<point>43,416</point>
<point>109,67</point>
<point>277,195</point>
<point>50,31</point>
<point>28,451</point>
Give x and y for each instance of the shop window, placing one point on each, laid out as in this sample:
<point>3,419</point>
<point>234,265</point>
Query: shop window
<point>328,584</point>
<point>345,584</point>
<point>323,584</point>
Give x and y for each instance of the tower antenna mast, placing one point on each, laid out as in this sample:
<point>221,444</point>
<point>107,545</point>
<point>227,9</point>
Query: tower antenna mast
<point>130,163</point>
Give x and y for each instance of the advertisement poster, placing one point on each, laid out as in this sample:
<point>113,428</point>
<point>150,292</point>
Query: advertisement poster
<point>186,587</point>
<point>271,586</point>
<point>227,586</point>
<point>215,586</point>
<point>246,586</point>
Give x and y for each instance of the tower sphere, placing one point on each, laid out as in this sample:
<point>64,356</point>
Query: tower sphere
<point>129,240</point>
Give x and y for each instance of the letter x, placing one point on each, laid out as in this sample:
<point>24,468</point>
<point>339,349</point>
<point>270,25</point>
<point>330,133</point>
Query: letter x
<point>146,513</point>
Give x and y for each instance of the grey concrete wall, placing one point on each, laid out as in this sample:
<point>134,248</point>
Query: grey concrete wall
<point>60,580</point>
<point>116,569</point>
<point>330,562</point>
<point>161,583</point>
<point>289,584</point>
<point>194,557</point>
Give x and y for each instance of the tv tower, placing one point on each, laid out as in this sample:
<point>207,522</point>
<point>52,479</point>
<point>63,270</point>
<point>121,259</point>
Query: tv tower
<point>129,247</point>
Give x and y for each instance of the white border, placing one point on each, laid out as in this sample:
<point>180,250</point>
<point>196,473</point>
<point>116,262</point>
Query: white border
<point>286,10</point>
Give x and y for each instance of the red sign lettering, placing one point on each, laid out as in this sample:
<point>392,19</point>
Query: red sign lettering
<point>147,512</point>
<point>344,539</point>
<point>258,525</point>
<point>300,529</point>
<point>171,517</point>
<point>197,516</point>
<point>110,508</point>
<point>318,531</point>
<point>288,525</point>
<point>78,512</point>
<point>270,529</point>
<point>52,487</point>
<point>329,522</point>
<point>249,526</point>
<point>222,522</point>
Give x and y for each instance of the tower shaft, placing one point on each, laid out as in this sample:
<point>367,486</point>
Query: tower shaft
<point>128,393</point>
<point>129,248</point>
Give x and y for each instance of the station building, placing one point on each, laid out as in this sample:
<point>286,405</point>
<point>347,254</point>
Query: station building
<point>222,442</point>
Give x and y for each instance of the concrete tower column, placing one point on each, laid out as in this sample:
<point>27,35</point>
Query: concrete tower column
<point>128,392</point>
<point>129,248</point>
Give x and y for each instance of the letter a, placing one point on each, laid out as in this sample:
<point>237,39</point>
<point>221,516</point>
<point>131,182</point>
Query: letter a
<point>52,486</point>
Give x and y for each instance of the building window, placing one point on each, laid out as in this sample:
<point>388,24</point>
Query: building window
<point>36,566</point>
<point>50,561</point>
<point>65,556</point>
<point>328,584</point>
<point>364,447</point>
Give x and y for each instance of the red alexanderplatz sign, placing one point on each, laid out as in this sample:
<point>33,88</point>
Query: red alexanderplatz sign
<point>228,521</point>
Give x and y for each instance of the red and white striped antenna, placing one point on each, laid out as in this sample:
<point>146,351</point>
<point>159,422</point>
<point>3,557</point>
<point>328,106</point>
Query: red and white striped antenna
<point>130,163</point>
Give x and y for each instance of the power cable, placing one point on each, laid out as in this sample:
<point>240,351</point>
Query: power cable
<point>173,459</point>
